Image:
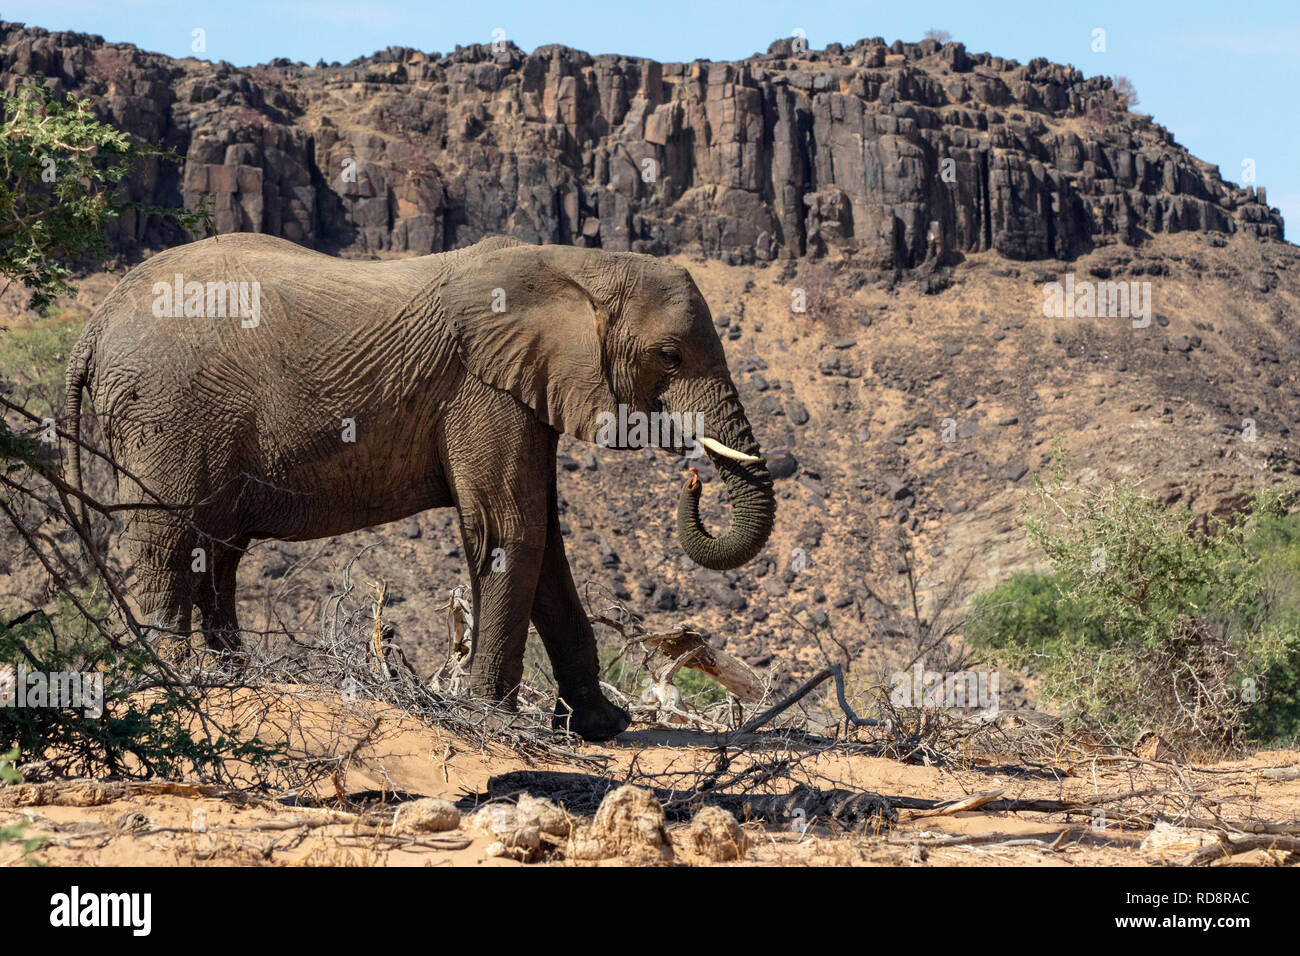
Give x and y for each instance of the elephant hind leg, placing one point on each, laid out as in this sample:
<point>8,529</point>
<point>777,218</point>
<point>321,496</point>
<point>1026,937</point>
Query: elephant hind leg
<point>160,548</point>
<point>215,597</point>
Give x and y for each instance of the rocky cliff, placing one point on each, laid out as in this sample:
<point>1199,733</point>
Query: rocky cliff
<point>903,156</point>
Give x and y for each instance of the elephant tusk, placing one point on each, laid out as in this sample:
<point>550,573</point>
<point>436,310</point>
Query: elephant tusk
<point>720,449</point>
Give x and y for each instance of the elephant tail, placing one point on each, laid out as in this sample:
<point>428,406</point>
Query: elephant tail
<point>78,377</point>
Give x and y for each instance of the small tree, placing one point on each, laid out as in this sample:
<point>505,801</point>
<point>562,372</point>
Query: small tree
<point>60,171</point>
<point>1126,96</point>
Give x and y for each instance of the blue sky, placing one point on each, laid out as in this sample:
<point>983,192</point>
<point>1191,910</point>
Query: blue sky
<point>1223,77</point>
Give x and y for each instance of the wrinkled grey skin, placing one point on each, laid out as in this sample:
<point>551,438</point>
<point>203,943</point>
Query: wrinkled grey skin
<point>454,404</point>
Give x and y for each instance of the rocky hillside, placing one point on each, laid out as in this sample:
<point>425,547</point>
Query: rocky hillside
<point>912,401</point>
<point>904,155</point>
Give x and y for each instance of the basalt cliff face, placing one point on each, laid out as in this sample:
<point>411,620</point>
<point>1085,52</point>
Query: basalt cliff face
<point>901,156</point>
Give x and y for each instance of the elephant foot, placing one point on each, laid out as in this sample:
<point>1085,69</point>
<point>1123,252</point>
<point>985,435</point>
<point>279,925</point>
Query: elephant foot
<point>591,716</point>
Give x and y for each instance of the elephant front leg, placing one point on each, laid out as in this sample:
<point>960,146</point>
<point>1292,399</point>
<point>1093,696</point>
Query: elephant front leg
<point>565,629</point>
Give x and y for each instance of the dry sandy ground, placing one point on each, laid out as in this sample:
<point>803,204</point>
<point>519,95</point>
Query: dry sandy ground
<point>176,826</point>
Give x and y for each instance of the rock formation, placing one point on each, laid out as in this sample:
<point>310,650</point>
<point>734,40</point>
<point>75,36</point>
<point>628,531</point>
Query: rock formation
<point>902,156</point>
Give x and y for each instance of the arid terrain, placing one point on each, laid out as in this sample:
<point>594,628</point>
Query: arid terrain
<point>391,759</point>
<point>868,465</point>
<point>890,348</point>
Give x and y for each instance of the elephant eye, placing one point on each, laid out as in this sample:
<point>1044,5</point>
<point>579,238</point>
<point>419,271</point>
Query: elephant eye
<point>671,356</point>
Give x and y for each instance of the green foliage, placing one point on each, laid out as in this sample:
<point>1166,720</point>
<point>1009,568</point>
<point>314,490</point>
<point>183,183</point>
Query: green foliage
<point>60,173</point>
<point>9,772</point>
<point>627,677</point>
<point>16,449</point>
<point>143,730</point>
<point>1151,618</point>
<point>1027,617</point>
<point>33,358</point>
<point>699,690</point>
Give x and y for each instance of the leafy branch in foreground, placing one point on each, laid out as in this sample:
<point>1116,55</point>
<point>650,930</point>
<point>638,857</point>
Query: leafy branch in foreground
<point>152,722</point>
<point>60,173</point>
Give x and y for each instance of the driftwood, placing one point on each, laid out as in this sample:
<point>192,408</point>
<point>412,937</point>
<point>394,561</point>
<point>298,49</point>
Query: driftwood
<point>95,793</point>
<point>938,842</point>
<point>730,672</point>
<point>1281,773</point>
<point>1227,848</point>
<point>973,802</point>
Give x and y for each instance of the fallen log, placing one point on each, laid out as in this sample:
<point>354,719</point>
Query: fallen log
<point>731,672</point>
<point>95,793</point>
<point>1225,848</point>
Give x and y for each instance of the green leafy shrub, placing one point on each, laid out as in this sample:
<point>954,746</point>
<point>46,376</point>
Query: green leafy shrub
<point>142,729</point>
<point>1027,617</point>
<point>1153,619</point>
<point>33,359</point>
<point>61,172</point>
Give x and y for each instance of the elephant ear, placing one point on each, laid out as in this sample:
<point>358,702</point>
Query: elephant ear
<point>524,322</point>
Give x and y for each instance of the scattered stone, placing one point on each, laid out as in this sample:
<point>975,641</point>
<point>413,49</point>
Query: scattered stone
<point>664,599</point>
<point>426,815</point>
<point>522,830</point>
<point>728,597</point>
<point>629,824</point>
<point>782,464</point>
<point>716,835</point>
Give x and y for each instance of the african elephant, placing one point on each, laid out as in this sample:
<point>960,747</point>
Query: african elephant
<point>275,392</point>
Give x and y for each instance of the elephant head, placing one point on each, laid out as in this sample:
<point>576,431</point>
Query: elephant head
<point>586,338</point>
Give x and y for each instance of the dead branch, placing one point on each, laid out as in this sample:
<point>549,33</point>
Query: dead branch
<point>835,671</point>
<point>1227,848</point>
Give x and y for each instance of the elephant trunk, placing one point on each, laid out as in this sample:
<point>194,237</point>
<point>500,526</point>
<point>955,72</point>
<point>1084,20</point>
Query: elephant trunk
<point>753,510</point>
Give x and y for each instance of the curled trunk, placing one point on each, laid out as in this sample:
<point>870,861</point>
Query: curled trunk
<point>753,509</point>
